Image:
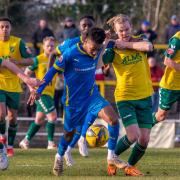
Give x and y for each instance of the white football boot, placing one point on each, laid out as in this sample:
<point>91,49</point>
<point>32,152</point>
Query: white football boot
<point>58,165</point>
<point>68,158</point>
<point>24,144</point>
<point>83,149</point>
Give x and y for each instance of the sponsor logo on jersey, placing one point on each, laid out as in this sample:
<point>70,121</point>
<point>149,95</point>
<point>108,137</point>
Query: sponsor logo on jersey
<point>60,58</point>
<point>76,60</point>
<point>132,59</point>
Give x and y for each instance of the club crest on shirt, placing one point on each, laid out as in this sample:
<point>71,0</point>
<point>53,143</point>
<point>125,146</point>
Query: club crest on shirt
<point>11,49</point>
<point>170,51</point>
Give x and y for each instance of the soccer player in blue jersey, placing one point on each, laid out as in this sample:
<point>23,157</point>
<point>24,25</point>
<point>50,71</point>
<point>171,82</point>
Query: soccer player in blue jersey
<point>86,22</point>
<point>78,64</point>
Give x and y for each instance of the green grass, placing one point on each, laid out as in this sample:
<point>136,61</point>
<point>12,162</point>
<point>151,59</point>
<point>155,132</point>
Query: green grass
<point>37,164</point>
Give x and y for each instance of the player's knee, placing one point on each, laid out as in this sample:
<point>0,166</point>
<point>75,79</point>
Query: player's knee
<point>12,118</point>
<point>2,116</point>
<point>39,121</point>
<point>161,116</point>
<point>144,140</point>
<point>133,137</point>
<point>53,118</point>
<point>113,122</point>
<point>69,135</point>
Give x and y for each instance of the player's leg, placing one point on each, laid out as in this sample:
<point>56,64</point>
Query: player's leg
<point>109,115</point>
<point>32,130</point>
<point>81,136</point>
<point>128,114</point>
<point>127,111</point>
<point>145,121</point>
<point>2,123</point>
<point>12,130</point>
<point>67,156</point>
<point>140,146</point>
<point>50,127</point>
<point>12,101</point>
<point>90,118</point>
<point>62,147</point>
<point>71,117</point>
<point>166,100</point>
<point>2,117</point>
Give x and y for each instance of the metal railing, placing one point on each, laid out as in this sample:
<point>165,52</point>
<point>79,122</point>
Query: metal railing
<point>156,46</point>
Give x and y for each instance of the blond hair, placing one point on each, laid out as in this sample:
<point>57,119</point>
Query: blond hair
<point>120,18</point>
<point>48,38</point>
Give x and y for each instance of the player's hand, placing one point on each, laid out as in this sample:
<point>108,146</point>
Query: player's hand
<point>13,61</point>
<point>33,82</point>
<point>108,34</point>
<point>33,97</point>
<point>120,44</point>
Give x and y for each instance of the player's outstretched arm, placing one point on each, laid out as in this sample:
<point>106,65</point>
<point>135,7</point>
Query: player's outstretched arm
<point>23,62</point>
<point>47,79</point>
<point>33,82</point>
<point>139,46</point>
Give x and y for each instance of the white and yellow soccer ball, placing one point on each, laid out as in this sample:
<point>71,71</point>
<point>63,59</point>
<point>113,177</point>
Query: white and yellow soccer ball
<point>97,136</point>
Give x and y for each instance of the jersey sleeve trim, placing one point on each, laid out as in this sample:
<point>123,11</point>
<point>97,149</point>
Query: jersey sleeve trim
<point>173,47</point>
<point>58,50</point>
<point>35,65</point>
<point>24,50</point>
<point>58,68</point>
<point>108,56</point>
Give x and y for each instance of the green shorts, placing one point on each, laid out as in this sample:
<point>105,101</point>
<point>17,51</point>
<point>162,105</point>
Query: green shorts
<point>45,104</point>
<point>167,98</point>
<point>136,112</point>
<point>11,99</point>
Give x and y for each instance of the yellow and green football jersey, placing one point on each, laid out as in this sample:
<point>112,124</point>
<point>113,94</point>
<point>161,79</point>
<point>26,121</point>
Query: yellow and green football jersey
<point>171,77</point>
<point>132,74</point>
<point>40,68</point>
<point>16,49</point>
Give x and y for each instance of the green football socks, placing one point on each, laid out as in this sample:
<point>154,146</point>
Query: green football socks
<point>2,126</point>
<point>33,129</point>
<point>12,134</point>
<point>122,145</point>
<point>50,128</point>
<point>137,152</point>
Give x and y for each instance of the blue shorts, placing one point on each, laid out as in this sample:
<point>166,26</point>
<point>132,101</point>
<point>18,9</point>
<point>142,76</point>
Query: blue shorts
<point>97,103</point>
<point>75,116</point>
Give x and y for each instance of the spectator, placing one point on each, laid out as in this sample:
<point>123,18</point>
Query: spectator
<point>41,32</point>
<point>147,31</point>
<point>156,75</point>
<point>172,28</point>
<point>69,31</point>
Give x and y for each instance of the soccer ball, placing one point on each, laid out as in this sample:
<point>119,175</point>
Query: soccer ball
<point>97,135</point>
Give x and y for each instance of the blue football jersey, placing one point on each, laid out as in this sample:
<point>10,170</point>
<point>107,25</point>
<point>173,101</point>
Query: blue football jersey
<point>79,74</point>
<point>61,48</point>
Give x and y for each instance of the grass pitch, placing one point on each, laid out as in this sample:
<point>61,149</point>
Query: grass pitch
<point>37,164</point>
